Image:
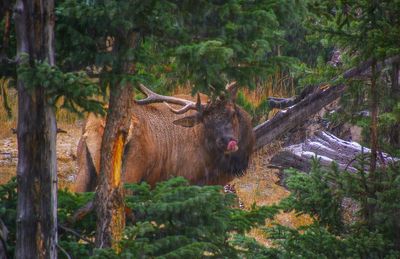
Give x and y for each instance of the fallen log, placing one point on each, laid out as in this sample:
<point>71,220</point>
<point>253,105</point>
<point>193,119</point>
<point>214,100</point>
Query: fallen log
<point>328,149</point>
<point>312,103</point>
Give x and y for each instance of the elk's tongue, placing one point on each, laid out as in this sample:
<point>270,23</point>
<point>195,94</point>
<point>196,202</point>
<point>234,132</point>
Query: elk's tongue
<point>232,146</point>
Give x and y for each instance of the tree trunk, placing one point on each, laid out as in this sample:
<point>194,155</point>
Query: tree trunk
<point>374,119</point>
<point>36,133</point>
<point>109,201</point>
<point>395,80</point>
<point>395,92</point>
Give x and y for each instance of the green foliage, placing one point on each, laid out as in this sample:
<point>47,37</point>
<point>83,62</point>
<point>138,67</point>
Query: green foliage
<point>293,17</point>
<point>371,28</point>
<point>360,30</point>
<point>256,112</point>
<point>373,231</point>
<point>7,50</point>
<point>8,213</point>
<point>68,202</point>
<point>208,45</point>
<point>173,220</point>
<point>310,194</point>
<point>76,88</point>
<point>177,220</point>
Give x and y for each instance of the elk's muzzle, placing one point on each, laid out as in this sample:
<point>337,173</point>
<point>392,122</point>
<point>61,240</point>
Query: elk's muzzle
<point>232,146</point>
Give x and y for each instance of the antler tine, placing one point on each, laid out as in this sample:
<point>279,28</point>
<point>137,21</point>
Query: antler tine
<point>233,90</point>
<point>151,96</point>
<point>181,110</point>
<point>157,98</point>
<point>230,86</point>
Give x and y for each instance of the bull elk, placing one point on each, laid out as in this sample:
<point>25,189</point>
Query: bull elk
<point>205,142</point>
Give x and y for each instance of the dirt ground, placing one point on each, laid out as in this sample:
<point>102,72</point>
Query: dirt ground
<point>66,155</point>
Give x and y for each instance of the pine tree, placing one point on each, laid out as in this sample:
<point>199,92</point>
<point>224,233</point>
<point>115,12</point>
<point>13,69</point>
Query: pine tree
<point>135,41</point>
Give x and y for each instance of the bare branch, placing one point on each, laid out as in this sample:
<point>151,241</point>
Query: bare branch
<point>63,250</point>
<point>75,234</point>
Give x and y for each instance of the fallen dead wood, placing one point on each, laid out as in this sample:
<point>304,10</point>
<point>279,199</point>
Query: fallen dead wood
<point>312,103</point>
<point>328,149</point>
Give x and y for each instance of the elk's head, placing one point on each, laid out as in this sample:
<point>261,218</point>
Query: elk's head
<point>220,118</point>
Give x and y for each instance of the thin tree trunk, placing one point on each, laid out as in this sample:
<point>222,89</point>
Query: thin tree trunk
<point>395,92</point>
<point>7,28</point>
<point>374,118</point>
<point>109,201</point>
<point>395,79</point>
<point>36,133</point>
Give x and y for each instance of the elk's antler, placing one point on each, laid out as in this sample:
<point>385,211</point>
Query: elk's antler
<point>232,89</point>
<point>157,98</point>
<point>231,86</point>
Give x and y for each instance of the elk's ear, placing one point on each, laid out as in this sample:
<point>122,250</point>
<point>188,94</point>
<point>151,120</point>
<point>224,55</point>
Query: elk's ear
<point>188,121</point>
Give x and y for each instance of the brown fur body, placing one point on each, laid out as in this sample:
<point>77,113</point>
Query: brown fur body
<point>157,149</point>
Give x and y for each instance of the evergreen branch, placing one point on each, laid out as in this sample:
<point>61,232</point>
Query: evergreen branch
<point>63,250</point>
<point>319,97</point>
<point>76,234</point>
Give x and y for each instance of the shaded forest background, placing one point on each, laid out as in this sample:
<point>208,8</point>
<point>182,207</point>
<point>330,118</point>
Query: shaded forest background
<point>272,48</point>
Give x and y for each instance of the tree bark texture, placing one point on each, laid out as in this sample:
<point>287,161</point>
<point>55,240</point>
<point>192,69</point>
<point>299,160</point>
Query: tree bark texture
<point>109,201</point>
<point>374,118</point>
<point>312,103</point>
<point>395,92</point>
<point>36,133</point>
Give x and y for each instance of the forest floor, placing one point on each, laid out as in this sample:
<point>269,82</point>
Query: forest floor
<point>66,155</point>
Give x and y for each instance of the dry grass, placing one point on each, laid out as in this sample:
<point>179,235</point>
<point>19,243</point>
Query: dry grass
<point>66,143</point>
<point>6,173</point>
<point>6,123</point>
<point>261,186</point>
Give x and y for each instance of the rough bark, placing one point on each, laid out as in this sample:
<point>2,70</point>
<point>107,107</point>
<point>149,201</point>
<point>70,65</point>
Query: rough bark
<point>7,28</point>
<point>327,148</point>
<point>109,201</point>
<point>395,92</point>
<point>281,103</point>
<point>36,133</point>
<point>374,118</point>
<point>395,79</point>
<point>313,102</point>
<point>6,15</point>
